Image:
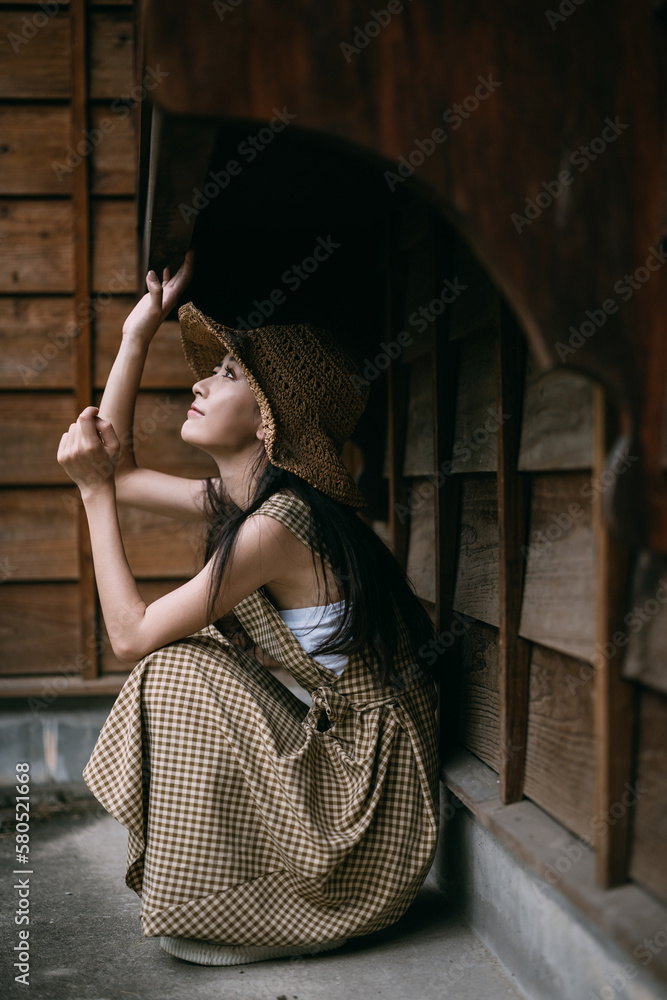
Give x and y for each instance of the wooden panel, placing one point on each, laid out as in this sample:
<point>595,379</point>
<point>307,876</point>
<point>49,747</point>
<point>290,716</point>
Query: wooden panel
<point>158,420</point>
<point>34,54</point>
<point>39,627</point>
<point>150,590</point>
<point>475,307</point>
<point>113,159</point>
<point>420,295</point>
<point>36,249</point>
<point>476,419</point>
<point>33,137</point>
<point>513,493</point>
<point>479,706</point>
<point>31,426</point>
<point>418,459</point>
<point>114,246</point>
<point>37,343</point>
<point>111,54</point>
<point>557,431</point>
<point>421,549</point>
<point>160,546</point>
<point>476,589</point>
<point>560,751</point>
<point>646,633</point>
<point>559,590</point>
<point>165,367</point>
<point>615,703</point>
<point>38,535</point>
<point>648,859</point>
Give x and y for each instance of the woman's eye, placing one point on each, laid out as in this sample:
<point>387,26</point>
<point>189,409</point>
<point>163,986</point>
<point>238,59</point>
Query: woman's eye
<point>228,369</point>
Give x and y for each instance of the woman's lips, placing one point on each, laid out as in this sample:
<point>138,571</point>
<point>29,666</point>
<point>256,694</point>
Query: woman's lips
<point>193,409</point>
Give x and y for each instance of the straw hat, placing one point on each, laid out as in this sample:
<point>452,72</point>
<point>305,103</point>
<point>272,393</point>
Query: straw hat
<point>310,393</point>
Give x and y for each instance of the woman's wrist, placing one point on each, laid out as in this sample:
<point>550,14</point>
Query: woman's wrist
<point>99,493</point>
<point>138,340</point>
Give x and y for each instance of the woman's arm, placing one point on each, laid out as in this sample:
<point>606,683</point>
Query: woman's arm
<point>136,629</point>
<point>174,496</point>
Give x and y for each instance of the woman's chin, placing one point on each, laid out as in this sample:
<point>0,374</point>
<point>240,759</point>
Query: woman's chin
<point>190,438</point>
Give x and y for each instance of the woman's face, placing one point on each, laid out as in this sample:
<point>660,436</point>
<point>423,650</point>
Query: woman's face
<point>224,418</point>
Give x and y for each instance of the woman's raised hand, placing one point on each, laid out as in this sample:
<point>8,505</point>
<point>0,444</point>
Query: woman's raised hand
<point>89,452</point>
<point>159,300</point>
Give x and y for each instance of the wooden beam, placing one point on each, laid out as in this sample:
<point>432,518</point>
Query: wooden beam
<point>445,368</point>
<point>513,651</point>
<point>615,697</point>
<point>83,388</point>
<point>60,686</point>
<point>397,401</point>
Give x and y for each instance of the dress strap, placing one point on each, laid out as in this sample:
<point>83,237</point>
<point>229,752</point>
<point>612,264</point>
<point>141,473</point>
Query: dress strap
<point>291,511</point>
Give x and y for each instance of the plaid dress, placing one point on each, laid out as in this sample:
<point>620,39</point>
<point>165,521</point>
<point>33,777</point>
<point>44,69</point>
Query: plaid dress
<point>254,819</point>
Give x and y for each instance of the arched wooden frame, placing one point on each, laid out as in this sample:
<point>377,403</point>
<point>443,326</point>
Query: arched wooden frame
<point>538,134</point>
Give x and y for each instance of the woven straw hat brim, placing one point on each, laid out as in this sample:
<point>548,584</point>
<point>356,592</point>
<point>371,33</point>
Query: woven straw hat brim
<point>307,450</point>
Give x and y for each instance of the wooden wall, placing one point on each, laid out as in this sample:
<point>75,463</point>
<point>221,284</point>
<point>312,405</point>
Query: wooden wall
<point>68,236</point>
<point>505,553</point>
<point>523,679</point>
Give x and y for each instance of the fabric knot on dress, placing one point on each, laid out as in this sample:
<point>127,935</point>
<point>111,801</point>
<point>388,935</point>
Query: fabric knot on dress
<point>328,705</point>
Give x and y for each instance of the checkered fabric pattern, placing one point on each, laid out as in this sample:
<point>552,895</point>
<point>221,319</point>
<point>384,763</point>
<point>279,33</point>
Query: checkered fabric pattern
<point>254,819</point>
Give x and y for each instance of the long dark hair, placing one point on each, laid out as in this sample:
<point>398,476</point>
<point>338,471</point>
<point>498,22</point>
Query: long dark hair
<point>377,592</point>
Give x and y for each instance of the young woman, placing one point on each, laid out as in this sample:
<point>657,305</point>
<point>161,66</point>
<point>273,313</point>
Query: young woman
<point>259,826</point>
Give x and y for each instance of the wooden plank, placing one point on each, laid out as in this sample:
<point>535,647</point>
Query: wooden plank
<point>646,622</point>
<point>36,246</point>
<point>111,54</point>
<point>166,367</point>
<point>39,627</point>
<point>474,309</point>
<point>417,316</point>
<point>444,383</point>
<point>180,154</point>
<point>475,446</point>
<point>615,712</point>
<point>557,427</point>
<point>114,166</point>
<point>513,652</point>
<point>648,814</point>
<point>560,583</point>
<point>421,551</point>
<point>628,915</point>
<point>31,426</point>
<point>37,342</point>
<point>478,727</point>
<point>43,691</point>
<point>476,588</point>
<point>34,55</point>
<point>33,137</point>
<point>38,535</point>
<point>397,404</point>
<point>560,742</point>
<point>82,289</point>
<point>114,246</point>
<point>420,430</point>
<point>150,590</point>
<point>159,546</point>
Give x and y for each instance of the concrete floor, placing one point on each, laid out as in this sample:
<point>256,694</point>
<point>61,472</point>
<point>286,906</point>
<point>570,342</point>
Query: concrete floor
<point>86,941</point>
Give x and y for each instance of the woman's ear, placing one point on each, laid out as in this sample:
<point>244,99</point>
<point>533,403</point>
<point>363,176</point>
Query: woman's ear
<point>260,432</point>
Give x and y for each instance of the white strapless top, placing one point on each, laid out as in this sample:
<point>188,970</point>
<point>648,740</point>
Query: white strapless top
<point>312,625</point>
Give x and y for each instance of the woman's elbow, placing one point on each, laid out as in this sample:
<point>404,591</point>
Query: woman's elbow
<point>129,649</point>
